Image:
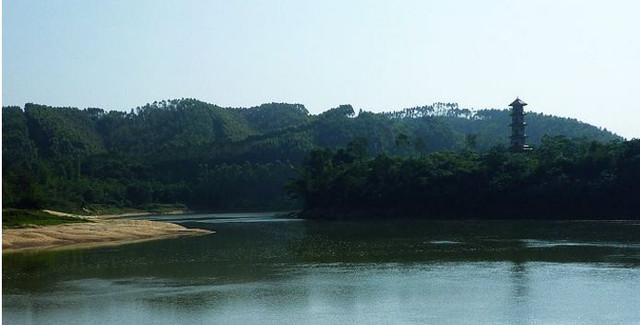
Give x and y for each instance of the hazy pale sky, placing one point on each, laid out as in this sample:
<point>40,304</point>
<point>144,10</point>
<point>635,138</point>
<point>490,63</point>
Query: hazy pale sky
<point>570,58</point>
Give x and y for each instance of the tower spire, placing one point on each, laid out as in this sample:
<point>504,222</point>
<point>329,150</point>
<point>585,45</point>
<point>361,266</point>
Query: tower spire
<point>518,136</point>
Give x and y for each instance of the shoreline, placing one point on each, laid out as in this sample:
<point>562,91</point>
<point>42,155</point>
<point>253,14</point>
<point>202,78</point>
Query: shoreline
<point>114,215</point>
<point>99,231</point>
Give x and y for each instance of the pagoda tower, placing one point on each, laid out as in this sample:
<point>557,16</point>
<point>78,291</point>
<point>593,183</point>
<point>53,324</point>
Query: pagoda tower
<point>518,137</point>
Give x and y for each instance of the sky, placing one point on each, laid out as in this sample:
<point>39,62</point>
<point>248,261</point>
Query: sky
<point>570,58</point>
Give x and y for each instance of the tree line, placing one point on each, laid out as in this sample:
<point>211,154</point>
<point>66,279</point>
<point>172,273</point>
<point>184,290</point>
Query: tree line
<point>219,158</point>
<point>561,179</point>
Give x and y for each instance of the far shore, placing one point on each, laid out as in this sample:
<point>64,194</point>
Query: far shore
<point>98,231</point>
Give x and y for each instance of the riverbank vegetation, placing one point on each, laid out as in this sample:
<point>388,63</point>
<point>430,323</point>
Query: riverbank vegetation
<point>215,158</point>
<point>560,179</point>
<point>23,218</point>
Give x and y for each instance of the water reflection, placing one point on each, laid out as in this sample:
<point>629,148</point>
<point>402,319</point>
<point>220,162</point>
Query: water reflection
<point>338,272</point>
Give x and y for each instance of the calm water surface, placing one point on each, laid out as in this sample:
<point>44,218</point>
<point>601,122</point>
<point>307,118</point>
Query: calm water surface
<point>261,270</point>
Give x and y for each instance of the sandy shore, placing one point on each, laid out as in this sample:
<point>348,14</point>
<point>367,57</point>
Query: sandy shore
<point>99,231</point>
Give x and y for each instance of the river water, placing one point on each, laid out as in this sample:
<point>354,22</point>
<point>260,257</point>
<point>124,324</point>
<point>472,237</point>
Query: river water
<point>258,269</point>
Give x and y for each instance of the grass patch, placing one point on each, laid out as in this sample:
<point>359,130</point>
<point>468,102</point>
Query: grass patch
<point>19,218</point>
<point>102,209</point>
<point>163,208</point>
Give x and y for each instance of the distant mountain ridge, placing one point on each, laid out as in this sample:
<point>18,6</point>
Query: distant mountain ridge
<point>180,124</point>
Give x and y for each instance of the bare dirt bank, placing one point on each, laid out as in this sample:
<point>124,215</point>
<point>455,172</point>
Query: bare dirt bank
<point>99,231</point>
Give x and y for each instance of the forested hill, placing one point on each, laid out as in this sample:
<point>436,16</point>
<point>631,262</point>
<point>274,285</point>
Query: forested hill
<point>561,179</point>
<point>218,158</point>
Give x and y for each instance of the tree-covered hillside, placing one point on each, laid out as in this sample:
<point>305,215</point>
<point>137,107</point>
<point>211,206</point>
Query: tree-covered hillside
<point>211,157</point>
<point>562,179</point>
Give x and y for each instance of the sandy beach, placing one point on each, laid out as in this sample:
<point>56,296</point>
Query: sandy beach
<point>107,230</point>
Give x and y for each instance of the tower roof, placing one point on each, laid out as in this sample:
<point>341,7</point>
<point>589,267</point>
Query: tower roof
<point>518,102</point>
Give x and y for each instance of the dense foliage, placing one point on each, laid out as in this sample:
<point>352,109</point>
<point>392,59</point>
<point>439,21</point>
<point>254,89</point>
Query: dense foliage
<point>562,178</point>
<point>211,157</point>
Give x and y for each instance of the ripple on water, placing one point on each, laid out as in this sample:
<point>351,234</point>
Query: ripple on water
<point>535,243</point>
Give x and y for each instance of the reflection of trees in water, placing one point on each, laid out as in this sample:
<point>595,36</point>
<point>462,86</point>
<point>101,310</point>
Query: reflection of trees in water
<point>512,241</point>
<point>519,298</point>
<point>519,280</point>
